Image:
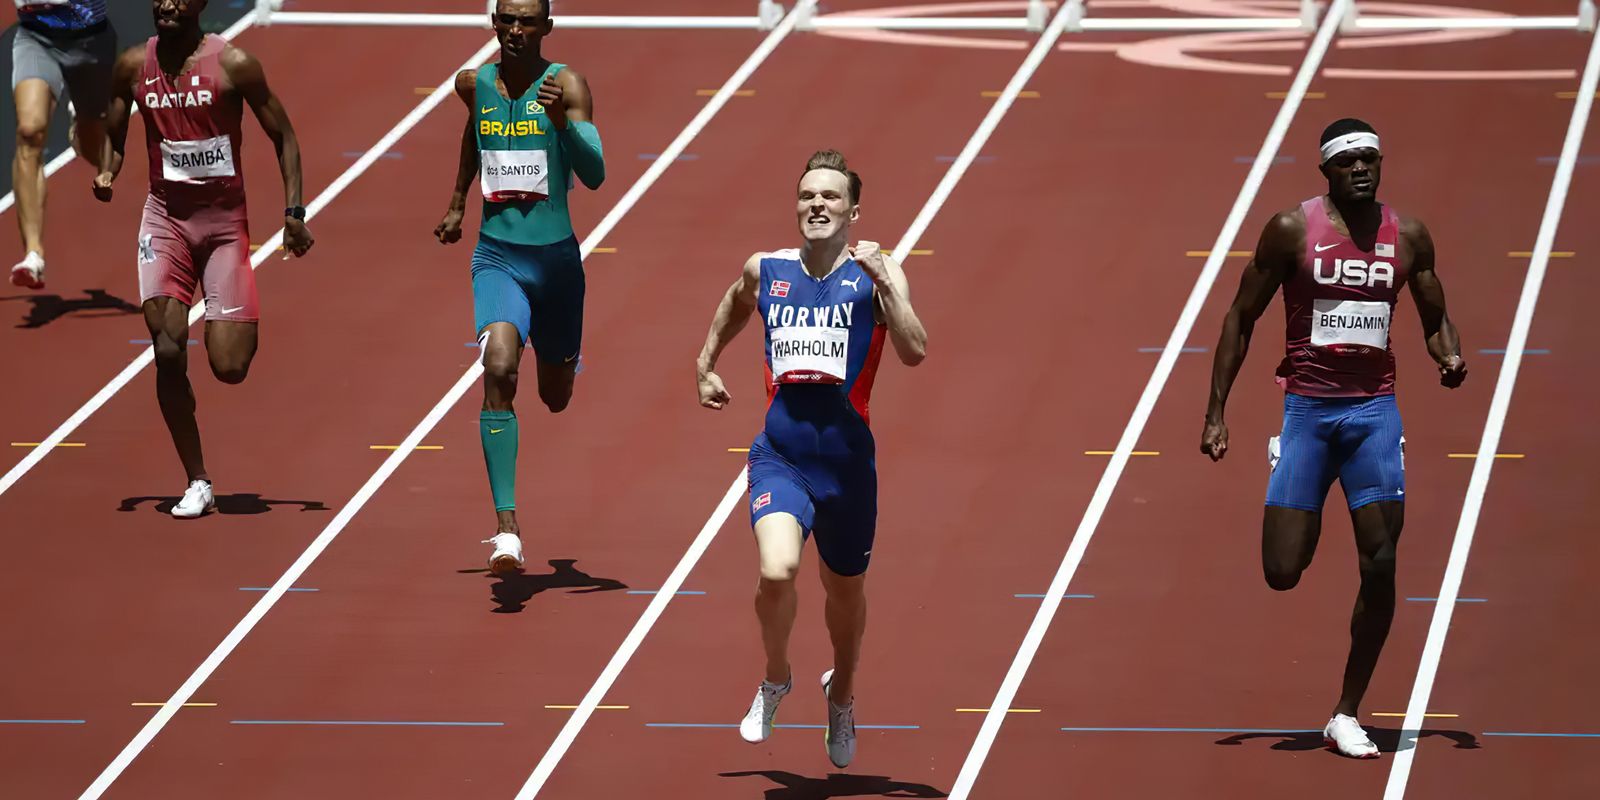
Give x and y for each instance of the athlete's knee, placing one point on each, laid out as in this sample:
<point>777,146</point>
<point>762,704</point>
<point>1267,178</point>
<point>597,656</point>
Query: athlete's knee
<point>31,134</point>
<point>1281,576</point>
<point>171,355</point>
<point>231,372</point>
<point>500,365</point>
<point>556,398</point>
<point>780,570</point>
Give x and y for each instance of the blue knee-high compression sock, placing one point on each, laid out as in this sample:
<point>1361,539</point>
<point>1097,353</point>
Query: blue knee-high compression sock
<point>499,432</point>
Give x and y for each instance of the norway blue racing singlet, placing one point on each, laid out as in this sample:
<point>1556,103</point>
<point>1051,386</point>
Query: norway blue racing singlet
<point>822,344</point>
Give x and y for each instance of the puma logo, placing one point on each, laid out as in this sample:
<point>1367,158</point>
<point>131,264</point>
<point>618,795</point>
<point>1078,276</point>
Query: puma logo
<point>854,284</point>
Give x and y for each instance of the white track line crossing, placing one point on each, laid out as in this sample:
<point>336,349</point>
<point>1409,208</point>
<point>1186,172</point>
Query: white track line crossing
<point>406,447</point>
<point>1499,405</point>
<point>446,88</point>
<point>66,156</point>
<point>731,497</point>
<point>1147,401</point>
<point>270,246</point>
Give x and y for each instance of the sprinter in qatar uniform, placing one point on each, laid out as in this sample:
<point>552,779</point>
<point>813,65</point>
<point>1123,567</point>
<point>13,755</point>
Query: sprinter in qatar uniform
<point>1341,259</point>
<point>827,308</point>
<point>192,87</point>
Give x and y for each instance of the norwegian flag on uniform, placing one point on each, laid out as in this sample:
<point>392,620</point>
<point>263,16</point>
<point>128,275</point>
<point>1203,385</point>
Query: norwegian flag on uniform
<point>1385,250</point>
<point>779,289</point>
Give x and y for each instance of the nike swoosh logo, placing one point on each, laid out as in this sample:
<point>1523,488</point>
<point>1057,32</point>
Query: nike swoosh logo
<point>1321,247</point>
<point>496,430</point>
<point>231,310</point>
<point>489,110</point>
<point>148,81</point>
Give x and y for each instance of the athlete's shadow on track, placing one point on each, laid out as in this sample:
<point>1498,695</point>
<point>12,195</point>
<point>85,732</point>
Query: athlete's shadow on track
<point>48,308</point>
<point>237,503</point>
<point>513,592</point>
<point>799,787</point>
<point>1387,739</point>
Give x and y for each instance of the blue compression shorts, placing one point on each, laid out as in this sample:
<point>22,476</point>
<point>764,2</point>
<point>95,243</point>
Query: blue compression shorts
<point>1358,440</point>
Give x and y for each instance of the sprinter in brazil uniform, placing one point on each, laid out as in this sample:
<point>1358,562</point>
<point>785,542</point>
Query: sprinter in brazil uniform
<point>1341,259</point>
<point>827,307</point>
<point>529,132</point>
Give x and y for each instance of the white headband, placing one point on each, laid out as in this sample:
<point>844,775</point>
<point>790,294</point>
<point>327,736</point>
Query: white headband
<point>1349,141</point>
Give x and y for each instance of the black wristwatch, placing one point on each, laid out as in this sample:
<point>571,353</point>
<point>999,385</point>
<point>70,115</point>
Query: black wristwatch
<point>297,212</point>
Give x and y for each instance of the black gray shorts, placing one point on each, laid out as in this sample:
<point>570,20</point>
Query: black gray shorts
<point>78,66</point>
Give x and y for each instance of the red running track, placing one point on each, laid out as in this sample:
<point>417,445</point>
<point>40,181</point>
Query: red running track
<point>1175,562</point>
<point>981,488</point>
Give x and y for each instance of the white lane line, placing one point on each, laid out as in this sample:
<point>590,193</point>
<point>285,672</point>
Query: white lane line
<point>1499,405</point>
<point>446,88</point>
<point>1141,413</point>
<point>270,246</point>
<point>423,428</point>
<point>731,498</point>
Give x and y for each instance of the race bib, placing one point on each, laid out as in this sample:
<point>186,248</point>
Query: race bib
<point>1347,322</point>
<point>197,161</point>
<point>809,355</point>
<point>515,175</point>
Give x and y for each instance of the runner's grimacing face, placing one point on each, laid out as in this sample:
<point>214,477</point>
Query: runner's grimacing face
<point>519,25</point>
<point>1354,174</point>
<point>175,14</point>
<point>823,205</point>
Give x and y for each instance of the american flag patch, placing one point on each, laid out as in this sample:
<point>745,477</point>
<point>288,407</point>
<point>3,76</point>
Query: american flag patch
<point>762,502</point>
<point>779,289</point>
<point>1384,250</point>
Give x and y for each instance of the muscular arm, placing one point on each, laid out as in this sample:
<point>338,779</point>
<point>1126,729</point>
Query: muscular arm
<point>1274,260</point>
<point>580,139</point>
<point>467,166</point>
<point>733,312</point>
<point>1428,293</point>
<point>123,75</point>
<point>250,80</point>
<point>905,329</point>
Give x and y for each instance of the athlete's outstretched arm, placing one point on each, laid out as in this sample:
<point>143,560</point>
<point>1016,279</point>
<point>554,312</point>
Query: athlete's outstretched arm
<point>1428,293</point>
<point>892,294</point>
<point>1274,261</point>
<point>123,75</point>
<point>248,77</point>
<point>569,105</point>
<point>738,303</point>
<point>449,230</point>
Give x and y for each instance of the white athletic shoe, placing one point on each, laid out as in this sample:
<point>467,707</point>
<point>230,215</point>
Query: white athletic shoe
<point>1346,737</point>
<point>197,500</point>
<point>841,736</point>
<point>29,272</point>
<point>507,556</point>
<point>757,723</point>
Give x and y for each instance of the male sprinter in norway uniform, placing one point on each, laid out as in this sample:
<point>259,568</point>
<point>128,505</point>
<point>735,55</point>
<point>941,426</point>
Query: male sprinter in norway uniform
<point>1341,260</point>
<point>527,272</point>
<point>827,306</point>
<point>193,87</point>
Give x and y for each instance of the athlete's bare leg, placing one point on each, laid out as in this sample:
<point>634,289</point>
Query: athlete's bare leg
<point>231,346</point>
<point>1288,541</point>
<point>846,612</point>
<point>555,384</point>
<point>502,353</point>
<point>168,321</point>
<point>35,105</point>
<point>778,543</point>
<point>1377,538</point>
